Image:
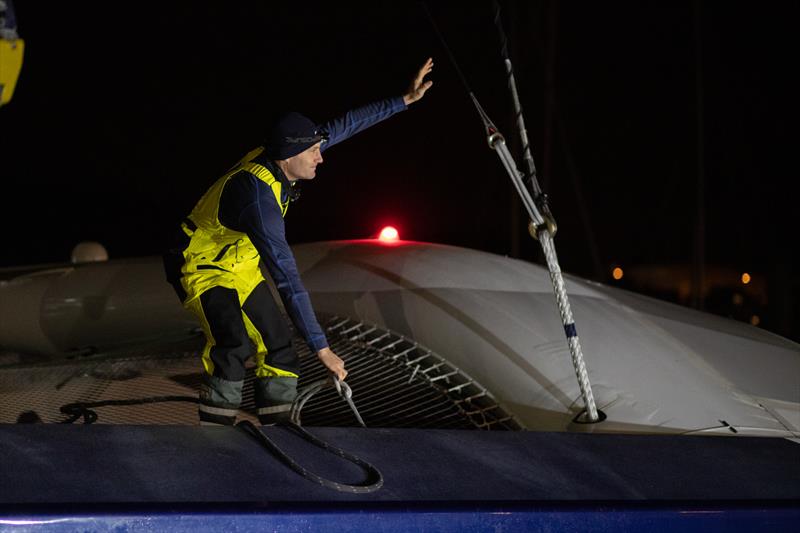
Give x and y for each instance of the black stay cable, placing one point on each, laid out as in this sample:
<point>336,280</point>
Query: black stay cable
<point>446,48</point>
<point>487,122</point>
<point>530,177</point>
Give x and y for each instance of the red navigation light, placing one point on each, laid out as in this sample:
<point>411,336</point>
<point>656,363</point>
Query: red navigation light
<point>389,234</point>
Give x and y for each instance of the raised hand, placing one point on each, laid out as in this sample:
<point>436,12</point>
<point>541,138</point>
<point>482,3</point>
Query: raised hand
<point>419,85</point>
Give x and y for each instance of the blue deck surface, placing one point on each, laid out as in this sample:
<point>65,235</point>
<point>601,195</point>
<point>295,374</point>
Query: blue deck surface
<point>215,474</point>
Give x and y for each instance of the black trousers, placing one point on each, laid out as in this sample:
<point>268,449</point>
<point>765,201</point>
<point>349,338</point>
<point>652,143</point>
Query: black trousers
<point>232,345</point>
<point>228,346</point>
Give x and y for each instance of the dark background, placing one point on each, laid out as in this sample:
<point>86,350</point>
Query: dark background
<point>638,113</point>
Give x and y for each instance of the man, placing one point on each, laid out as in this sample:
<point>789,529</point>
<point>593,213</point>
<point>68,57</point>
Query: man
<point>214,265</point>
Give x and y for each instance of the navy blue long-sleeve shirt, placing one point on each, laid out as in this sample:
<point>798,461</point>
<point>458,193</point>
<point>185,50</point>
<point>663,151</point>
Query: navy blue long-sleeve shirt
<point>248,205</point>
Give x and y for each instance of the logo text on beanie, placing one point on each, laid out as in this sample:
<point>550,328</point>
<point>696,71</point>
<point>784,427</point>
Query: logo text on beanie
<point>295,140</point>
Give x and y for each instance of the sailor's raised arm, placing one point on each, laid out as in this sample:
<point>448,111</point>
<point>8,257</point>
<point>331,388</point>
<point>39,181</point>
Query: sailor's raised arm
<point>361,118</point>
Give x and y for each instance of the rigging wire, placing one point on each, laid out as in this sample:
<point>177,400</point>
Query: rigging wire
<point>542,226</point>
<point>512,86</point>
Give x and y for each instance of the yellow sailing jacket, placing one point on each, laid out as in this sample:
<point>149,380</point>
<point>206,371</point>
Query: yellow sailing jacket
<point>217,255</point>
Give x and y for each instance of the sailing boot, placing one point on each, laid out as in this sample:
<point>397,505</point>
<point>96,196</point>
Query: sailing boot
<point>219,401</point>
<point>274,397</point>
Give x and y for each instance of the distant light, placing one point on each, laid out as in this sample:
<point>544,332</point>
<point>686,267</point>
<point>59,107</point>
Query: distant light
<point>617,273</point>
<point>754,320</point>
<point>745,278</point>
<point>389,234</point>
<point>738,299</point>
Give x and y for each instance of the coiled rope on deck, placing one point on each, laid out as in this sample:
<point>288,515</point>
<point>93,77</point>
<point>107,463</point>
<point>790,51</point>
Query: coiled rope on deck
<point>374,478</point>
<point>373,482</point>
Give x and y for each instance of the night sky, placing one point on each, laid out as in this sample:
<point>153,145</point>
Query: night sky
<point>125,113</point>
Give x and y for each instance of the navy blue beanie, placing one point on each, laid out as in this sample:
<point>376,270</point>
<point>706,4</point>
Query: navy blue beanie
<point>291,134</point>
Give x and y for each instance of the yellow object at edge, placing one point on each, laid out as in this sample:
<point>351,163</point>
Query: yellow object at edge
<point>10,65</point>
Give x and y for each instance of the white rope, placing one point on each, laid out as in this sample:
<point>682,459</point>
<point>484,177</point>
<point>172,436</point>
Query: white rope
<point>549,248</point>
<point>497,142</point>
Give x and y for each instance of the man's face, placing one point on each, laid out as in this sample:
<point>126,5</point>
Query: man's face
<point>303,166</point>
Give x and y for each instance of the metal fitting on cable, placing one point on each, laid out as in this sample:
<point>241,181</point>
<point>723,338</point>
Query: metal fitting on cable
<point>549,224</point>
<point>495,138</point>
<point>549,220</point>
